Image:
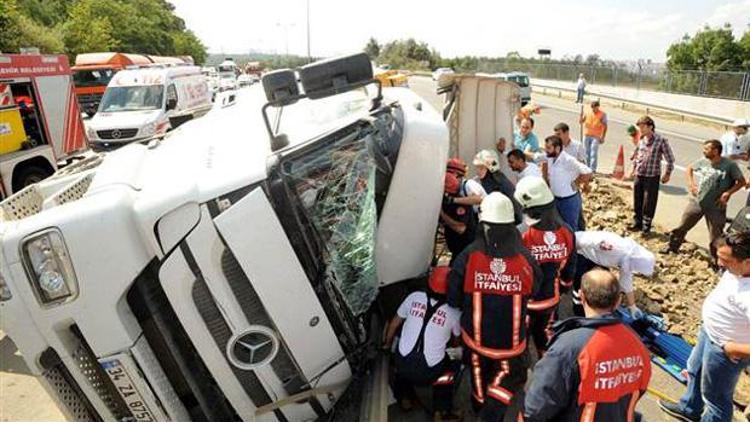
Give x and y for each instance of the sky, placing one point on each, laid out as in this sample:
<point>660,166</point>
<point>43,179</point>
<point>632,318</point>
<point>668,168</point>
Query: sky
<point>619,30</point>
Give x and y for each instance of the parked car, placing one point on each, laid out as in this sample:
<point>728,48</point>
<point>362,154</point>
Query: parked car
<point>245,80</point>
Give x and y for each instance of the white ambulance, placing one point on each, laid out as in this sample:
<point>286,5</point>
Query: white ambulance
<point>142,103</point>
<point>40,122</point>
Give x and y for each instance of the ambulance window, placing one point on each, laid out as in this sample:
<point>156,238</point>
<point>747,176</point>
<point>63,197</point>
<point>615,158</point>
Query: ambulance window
<point>171,92</point>
<point>335,182</point>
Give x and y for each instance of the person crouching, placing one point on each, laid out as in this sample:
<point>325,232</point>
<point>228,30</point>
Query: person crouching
<point>429,324</point>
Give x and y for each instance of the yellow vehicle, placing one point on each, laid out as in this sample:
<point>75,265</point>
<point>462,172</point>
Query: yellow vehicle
<point>392,78</point>
<point>12,133</point>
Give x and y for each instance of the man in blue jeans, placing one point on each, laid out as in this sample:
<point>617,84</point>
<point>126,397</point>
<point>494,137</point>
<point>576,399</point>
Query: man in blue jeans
<point>723,348</point>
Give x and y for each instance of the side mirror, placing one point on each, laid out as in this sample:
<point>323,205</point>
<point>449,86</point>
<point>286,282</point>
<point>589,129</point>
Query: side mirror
<point>281,85</point>
<point>171,104</point>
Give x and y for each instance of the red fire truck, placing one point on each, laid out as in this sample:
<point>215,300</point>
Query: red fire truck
<point>40,122</point>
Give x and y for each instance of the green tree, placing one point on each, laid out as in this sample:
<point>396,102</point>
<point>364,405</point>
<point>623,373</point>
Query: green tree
<point>89,27</point>
<point>187,44</point>
<point>372,48</point>
<point>709,49</point>
<point>10,29</point>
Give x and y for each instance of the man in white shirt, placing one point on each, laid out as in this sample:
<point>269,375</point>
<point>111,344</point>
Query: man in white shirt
<point>422,357</point>
<point>610,250</point>
<point>564,175</point>
<point>572,147</point>
<point>731,141</point>
<point>723,348</point>
<point>517,162</point>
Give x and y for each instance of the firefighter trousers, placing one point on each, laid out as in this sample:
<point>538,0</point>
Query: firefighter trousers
<point>540,327</point>
<point>494,383</point>
<point>441,377</point>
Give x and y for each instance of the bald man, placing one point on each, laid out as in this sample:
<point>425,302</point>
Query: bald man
<point>595,368</point>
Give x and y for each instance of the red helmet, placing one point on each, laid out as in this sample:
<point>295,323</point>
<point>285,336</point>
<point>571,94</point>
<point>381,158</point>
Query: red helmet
<point>451,184</point>
<point>456,166</point>
<point>439,279</point>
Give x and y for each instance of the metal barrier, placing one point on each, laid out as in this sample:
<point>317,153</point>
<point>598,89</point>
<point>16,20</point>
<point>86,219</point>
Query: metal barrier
<point>712,118</point>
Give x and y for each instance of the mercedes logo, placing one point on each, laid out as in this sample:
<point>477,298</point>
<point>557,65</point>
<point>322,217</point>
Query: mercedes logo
<point>116,134</point>
<point>253,347</point>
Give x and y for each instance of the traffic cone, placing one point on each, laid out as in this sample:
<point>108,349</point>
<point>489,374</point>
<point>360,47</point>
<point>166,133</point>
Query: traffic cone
<point>619,172</point>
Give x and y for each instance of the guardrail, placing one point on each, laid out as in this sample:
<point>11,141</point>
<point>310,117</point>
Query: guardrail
<point>712,118</point>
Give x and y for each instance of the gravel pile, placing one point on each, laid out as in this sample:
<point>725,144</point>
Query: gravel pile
<point>680,282</point>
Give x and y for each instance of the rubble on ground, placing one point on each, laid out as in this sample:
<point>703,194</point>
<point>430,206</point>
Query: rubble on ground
<point>680,282</point>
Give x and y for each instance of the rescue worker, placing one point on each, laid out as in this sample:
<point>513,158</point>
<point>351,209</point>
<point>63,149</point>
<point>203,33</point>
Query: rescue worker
<point>492,281</point>
<point>596,367</point>
<point>460,221</point>
<point>612,251</point>
<point>552,243</point>
<point>470,191</point>
<point>492,179</point>
<point>429,325</point>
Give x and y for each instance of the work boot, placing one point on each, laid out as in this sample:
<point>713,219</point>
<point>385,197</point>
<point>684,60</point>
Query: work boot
<point>635,227</point>
<point>674,410</point>
<point>447,417</point>
<point>406,405</point>
<point>670,248</point>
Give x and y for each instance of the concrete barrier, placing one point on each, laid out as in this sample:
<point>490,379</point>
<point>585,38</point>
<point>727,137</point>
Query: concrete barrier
<point>720,109</point>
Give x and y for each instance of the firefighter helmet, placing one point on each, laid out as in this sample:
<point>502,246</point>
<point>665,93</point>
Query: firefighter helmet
<point>532,191</point>
<point>456,166</point>
<point>496,208</point>
<point>487,158</point>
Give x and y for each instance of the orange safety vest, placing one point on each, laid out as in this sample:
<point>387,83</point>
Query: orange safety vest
<point>594,124</point>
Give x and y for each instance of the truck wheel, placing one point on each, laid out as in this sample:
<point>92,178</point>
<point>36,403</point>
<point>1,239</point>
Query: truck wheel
<point>90,112</point>
<point>29,176</point>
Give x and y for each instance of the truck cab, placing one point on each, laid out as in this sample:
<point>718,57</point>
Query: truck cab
<point>227,271</point>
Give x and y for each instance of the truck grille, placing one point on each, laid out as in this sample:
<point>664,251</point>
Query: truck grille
<point>117,133</point>
<point>66,388</point>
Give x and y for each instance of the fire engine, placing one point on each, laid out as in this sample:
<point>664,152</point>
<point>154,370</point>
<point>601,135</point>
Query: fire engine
<point>40,123</point>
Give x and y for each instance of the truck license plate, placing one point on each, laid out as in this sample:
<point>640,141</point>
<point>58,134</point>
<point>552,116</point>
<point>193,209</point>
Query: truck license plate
<point>127,389</point>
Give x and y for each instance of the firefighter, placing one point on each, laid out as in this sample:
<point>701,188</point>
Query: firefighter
<point>492,281</point>
<point>459,221</point>
<point>552,243</point>
<point>596,367</point>
<point>492,179</point>
<point>422,357</point>
<point>470,191</point>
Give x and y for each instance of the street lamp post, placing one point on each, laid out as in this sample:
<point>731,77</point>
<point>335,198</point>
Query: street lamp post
<point>309,57</point>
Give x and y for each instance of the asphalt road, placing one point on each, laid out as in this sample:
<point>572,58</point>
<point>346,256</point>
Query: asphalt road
<point>684,138</point>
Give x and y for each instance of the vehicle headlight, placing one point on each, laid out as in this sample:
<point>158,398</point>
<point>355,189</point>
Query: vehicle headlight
<point>149,129</point>
<point>48,265</point>
<point>91,133</point>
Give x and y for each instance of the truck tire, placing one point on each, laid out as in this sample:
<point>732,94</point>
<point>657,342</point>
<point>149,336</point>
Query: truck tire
<point>28,176</point>
<point>90,111</point>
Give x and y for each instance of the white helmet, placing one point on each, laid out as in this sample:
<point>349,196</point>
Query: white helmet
<point>740,123</point>
<point>496,208</point>
<point>532,191</point>
<point>487,158</point>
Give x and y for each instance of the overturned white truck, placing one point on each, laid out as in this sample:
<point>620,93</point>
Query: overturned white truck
<point>214,275</point>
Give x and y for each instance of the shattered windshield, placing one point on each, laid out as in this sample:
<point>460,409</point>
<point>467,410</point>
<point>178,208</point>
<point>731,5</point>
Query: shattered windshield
<point>336,185</point>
